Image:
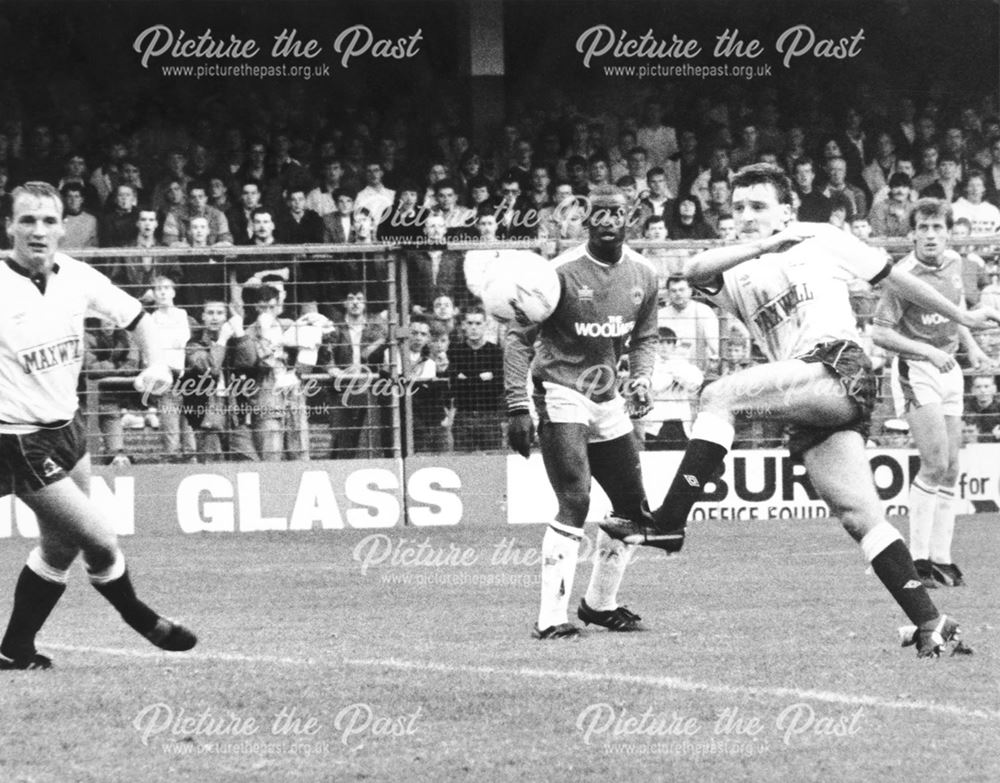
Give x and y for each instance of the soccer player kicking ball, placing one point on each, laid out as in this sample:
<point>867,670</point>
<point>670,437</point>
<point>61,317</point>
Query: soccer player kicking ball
<point>787,282</point>
<point>607,303</point>
<point>928,387</point>
<point>43,457</point>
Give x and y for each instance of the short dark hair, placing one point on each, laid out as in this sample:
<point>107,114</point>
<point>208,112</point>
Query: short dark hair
<point>765,174</point>
<point>932,208</point>
<point>900,180</point>
<point>343,193</point>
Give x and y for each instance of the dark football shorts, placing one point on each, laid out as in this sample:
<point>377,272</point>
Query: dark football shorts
<point>30,462</point>
<point>852,367</point>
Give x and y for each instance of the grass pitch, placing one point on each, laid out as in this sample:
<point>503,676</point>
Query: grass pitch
<point>405,655</point>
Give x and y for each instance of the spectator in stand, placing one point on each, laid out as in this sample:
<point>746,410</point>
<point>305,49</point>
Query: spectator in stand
<point>298,225</point>
<point>516,218</point>
<point>637,167</point>
<point>257,169</point>
<point>948,185</point>
<point>80,226</point>
<point>683,167</point>
<point>654,135</point>
<point>40,162</point>
<point>954,143</point>
<point>470,169</point>
<point>877,173</point>
<point>718,168</point>
<point>891,218</point>
<point>459,221</point>
<point>687,221</point>
<point>982,407</point>
<point>974,278</point>
<point>814,207</point>
<point>321,199</point>
<point>75,172</point>
<point>746,153</point>
<point>218,196</point>
<point>203,275</point>
<point>204,404</point>
<point>346,354</point>
<point>118,227</point>
<point>437,172</point>
<point>854,145</point>
<point>674,388</point>
<point>444,315</point>
<point>108,352</point>
<point>135,274</point>
<point>476,374</point>
<point>174,331</point>
<point>983,217</point>
<point>271,423</point>
<point>659,200</point>
<point>598,171</point>
<point>795,149</point>
<point>695,324</point>
<point>175,174</point>
<point>718,202</point>
<point>905,166</point>
<point>240,218</point>
<point>375,196</point>
<point>992,173</point>
<point>177,222</point>
<point>106,177</point>
<point>840,211</point>
<point>540,194</point>
<point>520,167</point>
<point>577,175</point>
<point>928,173</point>
<point>836,174</point>
<point>428,398</point>
<point>339,227</point>
<point>404,223</point>
<point>176,208</point>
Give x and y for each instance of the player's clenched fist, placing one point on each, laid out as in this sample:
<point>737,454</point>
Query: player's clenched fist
<point>520,433</point>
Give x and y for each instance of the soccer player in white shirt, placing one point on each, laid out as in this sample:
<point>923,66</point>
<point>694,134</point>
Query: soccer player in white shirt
<point>43,456</point>
<point>928,387</point>
<point>788,283</point>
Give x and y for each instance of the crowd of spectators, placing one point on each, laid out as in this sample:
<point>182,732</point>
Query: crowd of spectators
<point>280,321</point>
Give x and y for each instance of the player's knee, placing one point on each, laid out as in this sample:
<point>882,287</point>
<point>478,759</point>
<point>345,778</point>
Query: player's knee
<point>857,521</point>
<point>934,467</point>
<point>717,396</point>
<point>99,553</point>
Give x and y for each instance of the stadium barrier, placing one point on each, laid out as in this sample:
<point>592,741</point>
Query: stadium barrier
<point>332,495</point>
<point>392,464</point>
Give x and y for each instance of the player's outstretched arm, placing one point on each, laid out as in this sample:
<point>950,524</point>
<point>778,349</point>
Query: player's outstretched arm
<point>705,268</point>
<point>920,293</point>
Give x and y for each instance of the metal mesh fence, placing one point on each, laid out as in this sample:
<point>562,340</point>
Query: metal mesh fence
<point>341,351</point>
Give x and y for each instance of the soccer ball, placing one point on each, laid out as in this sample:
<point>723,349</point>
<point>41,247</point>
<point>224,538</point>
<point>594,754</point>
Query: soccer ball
<point>520,286</point>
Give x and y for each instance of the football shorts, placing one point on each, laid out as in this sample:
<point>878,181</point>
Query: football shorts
<point>35,460</point>
<point>852,367</point>
<point>561,405</point>
<point>917,383</point>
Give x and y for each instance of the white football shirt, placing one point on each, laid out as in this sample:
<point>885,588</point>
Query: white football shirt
<point>793,300</point>
<point>41,338</point>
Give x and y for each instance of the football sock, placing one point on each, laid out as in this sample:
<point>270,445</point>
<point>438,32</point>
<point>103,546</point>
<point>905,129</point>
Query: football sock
<point>711,437</point>
<point>615,465</point>
<point>883,547</point>
<point>944,526</point>
<point>610,560</point>
<point>923,502</point>
<point>38,590</point>
<point>560,548</point>
<point>114,584</point>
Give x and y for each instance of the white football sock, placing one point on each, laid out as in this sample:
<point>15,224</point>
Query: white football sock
<point>611,557</point>
<point>943,530</point>
<point>923,501</point>
<point>560,548</point>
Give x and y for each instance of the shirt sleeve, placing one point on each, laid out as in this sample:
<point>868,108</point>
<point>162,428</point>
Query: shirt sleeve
<point>106,299</point>
<point>889,310</point>
<point>642,342</point>
<point>853,255</point>
<point>518,351</point>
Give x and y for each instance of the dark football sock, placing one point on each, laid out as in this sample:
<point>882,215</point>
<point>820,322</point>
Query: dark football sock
<point>615,465</point>
<point>894,566</point>
<point>701,460</point>
<point>121,595</point>
<point>34,600</point>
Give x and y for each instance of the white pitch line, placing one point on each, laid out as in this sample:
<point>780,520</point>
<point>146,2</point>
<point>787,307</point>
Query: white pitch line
<point>666,683</point>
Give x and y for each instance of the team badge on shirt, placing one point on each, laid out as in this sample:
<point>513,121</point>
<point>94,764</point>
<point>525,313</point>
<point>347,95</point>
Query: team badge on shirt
<point>585,293</point>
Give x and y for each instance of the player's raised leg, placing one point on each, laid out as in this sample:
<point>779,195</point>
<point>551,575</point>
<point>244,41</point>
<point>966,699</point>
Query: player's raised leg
<point>839,470</point>
<point>792,390</point>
